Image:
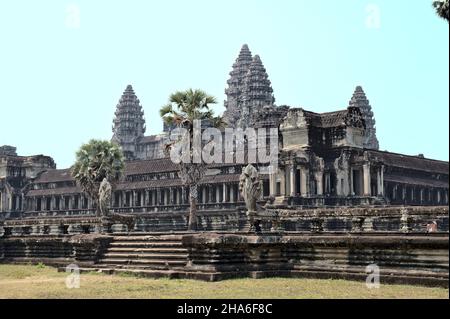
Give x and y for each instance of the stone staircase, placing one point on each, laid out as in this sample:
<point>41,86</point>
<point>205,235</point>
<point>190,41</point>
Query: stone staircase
<point>280,201</point>
<point>151,255</point>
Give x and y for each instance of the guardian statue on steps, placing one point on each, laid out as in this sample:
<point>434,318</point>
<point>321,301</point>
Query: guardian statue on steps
<point>104,198</point>
<point>250,187</point>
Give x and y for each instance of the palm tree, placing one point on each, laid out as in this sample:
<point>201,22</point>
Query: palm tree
<point>95,161</point>
<point>184,107</point>
<point>442,9</point>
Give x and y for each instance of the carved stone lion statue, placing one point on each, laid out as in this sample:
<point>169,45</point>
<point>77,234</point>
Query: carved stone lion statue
<point>250,187</point>
<point>104,197</point>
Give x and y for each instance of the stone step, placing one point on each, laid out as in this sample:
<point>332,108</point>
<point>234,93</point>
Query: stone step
<point>145,256</point>
<point>166,244</point>
<point>147,250</point>
<point>148,237</point>
<point>121,261</point>
<point>140,272</point>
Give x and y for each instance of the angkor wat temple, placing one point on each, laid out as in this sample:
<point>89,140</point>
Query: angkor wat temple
<point>334,205</point>
<point>326,159</point>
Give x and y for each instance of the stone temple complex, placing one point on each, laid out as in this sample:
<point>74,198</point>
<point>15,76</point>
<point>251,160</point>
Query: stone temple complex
<point>331,176</point>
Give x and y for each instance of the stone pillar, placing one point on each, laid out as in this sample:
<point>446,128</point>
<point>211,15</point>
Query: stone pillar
<point>143,198</point>
<point>171,196</point>
<point>210,194</point>
<point>381,191</point>
<point>292,183</point>
<point>352,184</point>
<point>157,196</point>
<point>224,193</point>
<point>123,197</point>
<point>10,202</point>
<point>273,184</point>
<point>166,197</point>
<point>71,200</point>
<point>135,199</point>
<point>179,196</point>
<point>366,173</point>
<point>217,194</point>
<point>287,182</point>
<point>183,195</point>
<point>231,193</point>
<point>327,183</point>
<point>204,194</point>
<point>304,182</point>
<point>319,182</point>
<point>282,183</point>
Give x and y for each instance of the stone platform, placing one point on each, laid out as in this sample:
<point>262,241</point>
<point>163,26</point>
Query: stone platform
<point>419,259</point>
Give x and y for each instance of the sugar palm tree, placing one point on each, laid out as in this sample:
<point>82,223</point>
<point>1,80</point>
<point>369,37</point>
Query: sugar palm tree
<point>183,109</point>
<point>95,161</point>
<point>442,8</point>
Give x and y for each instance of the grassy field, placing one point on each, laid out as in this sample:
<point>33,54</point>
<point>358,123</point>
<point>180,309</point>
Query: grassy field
<point>45,282</point>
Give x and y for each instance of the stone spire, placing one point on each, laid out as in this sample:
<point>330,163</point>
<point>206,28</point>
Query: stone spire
<point>235,86</point>
<point>257,92</point>
<point>360,100</point>
<point>129,123</point>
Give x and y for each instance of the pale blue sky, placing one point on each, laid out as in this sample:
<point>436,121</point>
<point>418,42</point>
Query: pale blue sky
<point>60,82</point>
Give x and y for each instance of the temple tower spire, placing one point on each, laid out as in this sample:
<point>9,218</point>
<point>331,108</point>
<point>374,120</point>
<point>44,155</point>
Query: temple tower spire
<point>360,100</point>
<point>257,93</point>
<point>236,85</point>
<point>128,123</point>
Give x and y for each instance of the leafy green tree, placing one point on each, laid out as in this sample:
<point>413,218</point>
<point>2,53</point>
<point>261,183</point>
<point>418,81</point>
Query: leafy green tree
<point>183,109</point>
<point>442,9</point>
<point>95,161</point>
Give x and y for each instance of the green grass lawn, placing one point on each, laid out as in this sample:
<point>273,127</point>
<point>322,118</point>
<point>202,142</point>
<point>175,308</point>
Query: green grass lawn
<point>45,282</point>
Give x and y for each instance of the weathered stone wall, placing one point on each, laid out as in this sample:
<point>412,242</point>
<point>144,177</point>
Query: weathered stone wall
<point>54,250</point>
<point>417,259</point>
<point>364,219</point>
<point>386,219</point>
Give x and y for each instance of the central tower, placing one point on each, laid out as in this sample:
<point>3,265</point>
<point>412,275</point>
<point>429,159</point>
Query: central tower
<point>249,90</point>
<point>128,123</point>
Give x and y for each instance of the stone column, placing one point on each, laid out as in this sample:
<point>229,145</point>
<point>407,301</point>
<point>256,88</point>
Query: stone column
<point>381,191</point>
<point>304,182</point>
<point>282,183</point>
<point>292,180</point>
<point>231,193</point>
<point>210,193</point>
<point>157,193</point>
<point>273,184</point>
<point>70,202</point>
<point>352,184</point>
<point>123,198</point>
<point>143,198</point>
<point>179,196</point>
<point>287,182</point>
<point>319,182</point>
<point>166,197</point>
<point>366,173</point>
<point>224,193</point>
<point>135,199</point>
<point>327,183</point>
<point>217,194</point>
<point>170,196</point>
<point>204,195</point>
<point>183,195</point>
